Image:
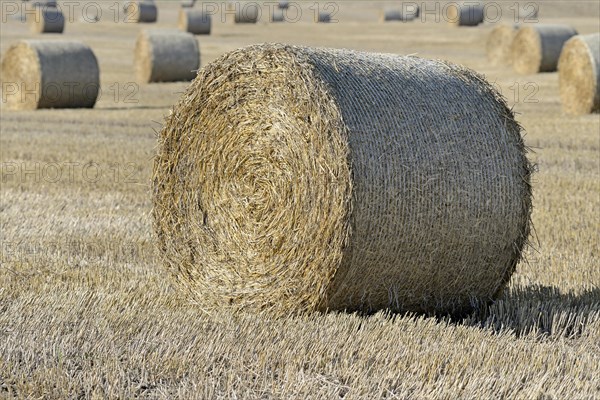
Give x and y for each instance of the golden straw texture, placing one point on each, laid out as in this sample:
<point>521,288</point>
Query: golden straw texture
<point>51,74</point>
<point>194,21</point>
<point>579,74</point>
<point>47,20</point>
<point>537,48</point>
<point>294,179</point>
<point>498,45</point>
<point>164,55</point>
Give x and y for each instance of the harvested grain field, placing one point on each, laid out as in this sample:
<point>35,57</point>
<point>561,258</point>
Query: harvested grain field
<point>88,310</point>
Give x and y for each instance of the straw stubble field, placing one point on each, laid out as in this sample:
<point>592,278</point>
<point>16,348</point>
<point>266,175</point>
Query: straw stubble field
<point>86,310</point>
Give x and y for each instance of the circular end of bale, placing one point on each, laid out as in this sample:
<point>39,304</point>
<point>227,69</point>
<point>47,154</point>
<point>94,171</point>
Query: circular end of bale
<point>498,44</point>
<point>295,179</point>
<point>579,75</point>
<point>526,51</point>
<point>21,70</point>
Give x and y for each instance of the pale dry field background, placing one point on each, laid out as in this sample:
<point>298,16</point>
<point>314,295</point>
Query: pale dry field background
<point>86,311</point>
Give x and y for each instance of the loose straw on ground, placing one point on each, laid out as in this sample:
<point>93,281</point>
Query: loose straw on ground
<point>579,75</point>
<point>50,74</point>
<point>295,179</point>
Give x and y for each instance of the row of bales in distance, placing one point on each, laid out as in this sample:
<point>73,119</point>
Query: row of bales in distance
<point>374,240</point>
<point>48,17</point>
<point>164,55</point>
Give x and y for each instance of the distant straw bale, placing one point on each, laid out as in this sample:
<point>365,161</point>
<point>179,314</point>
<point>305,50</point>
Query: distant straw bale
<point>465,14</point>
<point>50,74</point>
<point>278,15</point>
<point>537,48</point>
<point>395,15</point>
<point>194,21</point>
<point>323,16</point>
<point>47,20</point>
<point>579,75</point>
<point>499,42</point>
<point>295,179</point>
<point>245,13</point>
<point>163,55</point>
<point>141,11</point>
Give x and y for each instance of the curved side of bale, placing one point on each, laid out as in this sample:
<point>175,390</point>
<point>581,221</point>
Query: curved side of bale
<point>294,179</point>
<point>141,11</point>
<point>465,15</point>
<point>579,75</point>
<point>194,21</point>
<point>498,44</point>
<point>166,56</point>
<point>47,20</point>
<point>246,13</point>
<point>537,48</point>
<point>51,74</point>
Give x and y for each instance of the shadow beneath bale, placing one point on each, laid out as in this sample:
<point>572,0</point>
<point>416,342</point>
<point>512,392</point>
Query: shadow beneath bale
<point>541,311</point>
<point>536,310</point>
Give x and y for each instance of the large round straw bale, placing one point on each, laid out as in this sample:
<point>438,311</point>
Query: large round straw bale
<point>141,11</point>
<point>163,55</point>
<point>51,74</point>
<point>498,44</point>
<point>465,14</point>
<point>294,179</point>
<point>194,21</point>
<point>47,20</point>
<point>537,48</point>
<point>579,74</point>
